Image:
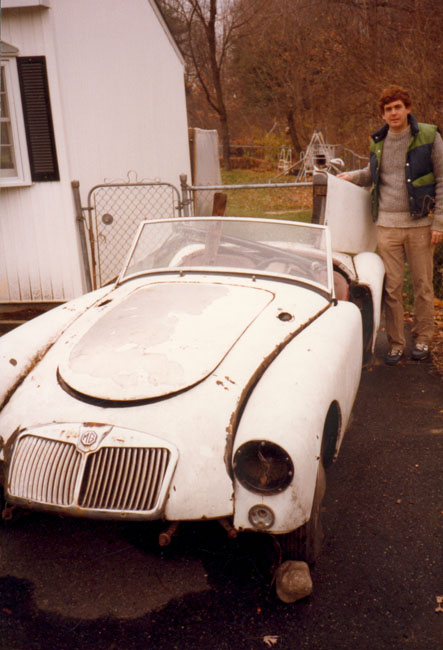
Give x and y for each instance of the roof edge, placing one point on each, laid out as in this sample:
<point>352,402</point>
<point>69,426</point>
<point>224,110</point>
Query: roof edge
<point>159,13</point>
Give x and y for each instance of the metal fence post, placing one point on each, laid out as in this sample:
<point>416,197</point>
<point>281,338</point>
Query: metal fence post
<point>186,195</point>
<point>81,222</point>
<point>319,191</point>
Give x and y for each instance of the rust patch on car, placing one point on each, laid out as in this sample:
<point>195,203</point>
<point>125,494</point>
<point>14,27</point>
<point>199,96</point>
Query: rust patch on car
<point>7,447</point>
<point>234,420</point>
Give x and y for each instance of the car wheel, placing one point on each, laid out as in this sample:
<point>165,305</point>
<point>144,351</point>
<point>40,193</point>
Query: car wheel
<point>305,542</point>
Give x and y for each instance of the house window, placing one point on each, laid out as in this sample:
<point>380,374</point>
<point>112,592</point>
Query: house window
<point>14,165</point>
<point>7,158</point>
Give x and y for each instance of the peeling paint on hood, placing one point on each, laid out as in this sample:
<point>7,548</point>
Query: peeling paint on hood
<point>159,340</point>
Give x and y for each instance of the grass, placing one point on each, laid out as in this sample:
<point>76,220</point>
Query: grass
<point>293,203</point>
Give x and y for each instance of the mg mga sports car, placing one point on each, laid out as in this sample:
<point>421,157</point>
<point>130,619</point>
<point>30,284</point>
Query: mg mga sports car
<point>213,380</point>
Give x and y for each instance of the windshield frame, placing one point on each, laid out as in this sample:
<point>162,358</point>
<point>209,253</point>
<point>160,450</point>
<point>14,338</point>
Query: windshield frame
<point>327,289</point>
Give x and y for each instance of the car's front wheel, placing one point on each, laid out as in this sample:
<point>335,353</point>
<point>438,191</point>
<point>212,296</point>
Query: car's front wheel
<point>305,542</point>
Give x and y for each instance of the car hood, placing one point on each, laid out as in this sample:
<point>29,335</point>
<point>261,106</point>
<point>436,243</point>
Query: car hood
<point>158,340</point>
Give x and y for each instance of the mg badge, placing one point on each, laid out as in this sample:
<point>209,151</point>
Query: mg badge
<point>88,438</point>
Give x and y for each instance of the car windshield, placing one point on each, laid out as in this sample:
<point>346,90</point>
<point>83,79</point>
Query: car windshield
<point>239,245</point>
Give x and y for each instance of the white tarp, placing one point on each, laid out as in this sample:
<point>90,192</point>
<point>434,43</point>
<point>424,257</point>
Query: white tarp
<point>348,215</point>
<point>206,168</point>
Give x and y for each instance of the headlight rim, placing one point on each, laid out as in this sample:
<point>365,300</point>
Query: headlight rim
<point>277,486</point>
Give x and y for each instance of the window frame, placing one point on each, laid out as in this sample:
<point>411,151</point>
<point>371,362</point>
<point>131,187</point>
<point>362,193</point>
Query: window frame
<point>22,175</point>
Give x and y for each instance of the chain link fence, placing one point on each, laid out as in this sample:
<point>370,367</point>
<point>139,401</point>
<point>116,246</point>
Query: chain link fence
<point>115,212</point>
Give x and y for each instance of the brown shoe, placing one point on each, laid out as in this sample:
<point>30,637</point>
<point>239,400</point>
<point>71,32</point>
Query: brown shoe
<point>420,352</point>
<point>393,357</point>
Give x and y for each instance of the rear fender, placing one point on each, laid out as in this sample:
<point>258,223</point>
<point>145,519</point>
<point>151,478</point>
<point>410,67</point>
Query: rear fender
<point>370,272</point>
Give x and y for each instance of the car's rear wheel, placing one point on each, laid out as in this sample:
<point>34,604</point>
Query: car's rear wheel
<point>305,542</point>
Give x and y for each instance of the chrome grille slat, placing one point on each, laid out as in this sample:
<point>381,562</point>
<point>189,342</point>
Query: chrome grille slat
<point>129,463</point>
<point>37,473</point>
<point>128,471</point>
<point>49,472</point>
<point>95,478</point>
<point>113,466</point>
<point>128,497</point>
<point>42,464</point>
<point>154,477</point>
<point>120,461</point>
<point>29,451</point>
<point>135,505</point>
<point>148,471</point>
<point>59,487</point>
<point>71,477</point>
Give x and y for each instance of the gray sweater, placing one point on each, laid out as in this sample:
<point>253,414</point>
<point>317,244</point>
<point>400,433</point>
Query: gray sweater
<point>393,200</point>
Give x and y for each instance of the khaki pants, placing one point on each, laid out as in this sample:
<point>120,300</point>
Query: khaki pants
<point>414,244</point>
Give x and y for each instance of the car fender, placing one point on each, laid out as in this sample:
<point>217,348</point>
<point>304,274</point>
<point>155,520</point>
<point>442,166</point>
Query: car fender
<point>25,345</point>
<point>289,406</point>
<point>371,272</point>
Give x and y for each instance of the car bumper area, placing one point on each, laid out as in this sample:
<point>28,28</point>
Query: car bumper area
<point>89,470</point>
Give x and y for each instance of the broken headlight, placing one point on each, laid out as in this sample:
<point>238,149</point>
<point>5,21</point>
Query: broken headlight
<point>262,466</point>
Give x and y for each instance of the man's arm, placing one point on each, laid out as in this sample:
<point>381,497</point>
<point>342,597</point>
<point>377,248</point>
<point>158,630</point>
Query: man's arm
<point>360,177</point>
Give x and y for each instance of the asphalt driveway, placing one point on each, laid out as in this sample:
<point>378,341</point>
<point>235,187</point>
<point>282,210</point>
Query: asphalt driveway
<point>68,584</point>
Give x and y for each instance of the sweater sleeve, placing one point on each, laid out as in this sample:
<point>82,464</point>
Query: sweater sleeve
<point>437,163</point>
<point>361,177</point>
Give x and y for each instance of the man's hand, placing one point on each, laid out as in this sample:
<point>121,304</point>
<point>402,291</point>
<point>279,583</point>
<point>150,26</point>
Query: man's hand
<point>436,237</point>
<point>344,176</point>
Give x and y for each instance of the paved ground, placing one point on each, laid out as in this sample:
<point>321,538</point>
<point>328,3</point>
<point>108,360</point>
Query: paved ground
<point>67,584</point>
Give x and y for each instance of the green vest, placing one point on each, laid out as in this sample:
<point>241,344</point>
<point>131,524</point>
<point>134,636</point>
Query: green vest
<point>419,174</point>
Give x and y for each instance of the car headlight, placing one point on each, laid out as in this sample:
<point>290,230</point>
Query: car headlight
<point>262,466</point>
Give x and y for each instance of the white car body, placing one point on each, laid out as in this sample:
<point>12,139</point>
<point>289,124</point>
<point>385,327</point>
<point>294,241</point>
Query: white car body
<point>142,400</point>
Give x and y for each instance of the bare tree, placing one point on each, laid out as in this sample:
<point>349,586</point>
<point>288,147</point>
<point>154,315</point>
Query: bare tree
<point>207,31</point>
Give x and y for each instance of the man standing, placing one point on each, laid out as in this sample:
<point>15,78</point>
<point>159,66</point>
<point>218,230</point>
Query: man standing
<point>405,173</point>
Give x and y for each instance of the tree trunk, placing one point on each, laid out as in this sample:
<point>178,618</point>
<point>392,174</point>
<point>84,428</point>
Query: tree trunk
<point>218,86</point>
<point>293,130</point>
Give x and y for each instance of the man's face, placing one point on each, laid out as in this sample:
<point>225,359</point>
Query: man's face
<point>395,115</point>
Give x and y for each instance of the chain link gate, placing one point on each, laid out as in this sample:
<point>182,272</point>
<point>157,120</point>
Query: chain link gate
<point>115,212</point>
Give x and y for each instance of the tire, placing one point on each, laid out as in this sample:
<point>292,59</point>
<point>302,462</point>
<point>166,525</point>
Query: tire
<point>305,542</point>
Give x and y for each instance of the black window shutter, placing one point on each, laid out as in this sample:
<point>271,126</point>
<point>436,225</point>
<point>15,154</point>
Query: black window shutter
<point>38,119</point>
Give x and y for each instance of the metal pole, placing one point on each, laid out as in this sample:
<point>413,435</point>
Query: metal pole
<point>319,191</point>
<point>185,199</point>
<point>247,187</point>
<point>81,230</point>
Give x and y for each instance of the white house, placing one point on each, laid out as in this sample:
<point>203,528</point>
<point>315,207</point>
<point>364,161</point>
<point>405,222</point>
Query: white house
<point>91,89</point>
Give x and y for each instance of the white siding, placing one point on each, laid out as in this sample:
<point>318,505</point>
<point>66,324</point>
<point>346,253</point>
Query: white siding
<point>40,255</point>
<point>122,86</point>
<point>118,105</point>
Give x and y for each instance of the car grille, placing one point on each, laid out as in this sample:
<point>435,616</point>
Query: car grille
<point>45,470</point>
<point>118,478</point>
<point>113,478</point>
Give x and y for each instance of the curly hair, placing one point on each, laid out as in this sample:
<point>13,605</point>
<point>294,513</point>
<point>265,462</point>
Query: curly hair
<point>392,94</point>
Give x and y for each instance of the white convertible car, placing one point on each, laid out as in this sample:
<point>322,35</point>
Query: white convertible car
<point>213,380</point>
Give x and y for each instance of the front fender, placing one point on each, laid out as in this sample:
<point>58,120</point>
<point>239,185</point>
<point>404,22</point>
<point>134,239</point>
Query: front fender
<point>24,346</point>
<point>289,406</point>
